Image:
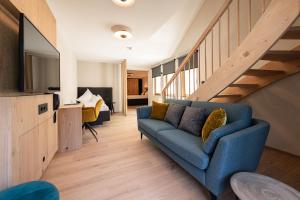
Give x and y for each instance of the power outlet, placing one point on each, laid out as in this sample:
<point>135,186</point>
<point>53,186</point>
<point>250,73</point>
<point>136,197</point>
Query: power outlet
<point>43,108</point>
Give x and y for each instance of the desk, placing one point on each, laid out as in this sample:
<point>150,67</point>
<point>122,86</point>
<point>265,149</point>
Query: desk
<point>70,127</point>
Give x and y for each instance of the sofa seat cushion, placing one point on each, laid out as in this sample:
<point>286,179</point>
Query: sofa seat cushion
<point>153,126</point>
<point>185,145</point>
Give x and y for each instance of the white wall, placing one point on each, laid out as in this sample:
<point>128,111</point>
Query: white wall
<point>199,24</point>
<point>68,71</point>
<point>97,74</point>
<point>279,105</point>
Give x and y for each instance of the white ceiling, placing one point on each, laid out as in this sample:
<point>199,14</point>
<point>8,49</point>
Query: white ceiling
<point>157,26</point>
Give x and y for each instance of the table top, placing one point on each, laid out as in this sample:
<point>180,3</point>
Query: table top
<point>252,186</point>
<point>78,105</point>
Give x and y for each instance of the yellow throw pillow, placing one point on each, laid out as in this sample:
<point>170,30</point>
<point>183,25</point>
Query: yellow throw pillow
<point>215,120</point>
<point>159,110</point>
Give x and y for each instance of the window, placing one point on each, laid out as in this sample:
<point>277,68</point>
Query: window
<point>190,80</point>
<point>171,89</point>
<point>190,75</point>
<point>157,85</point>
<point>168,72</point>
<point>156,79</point>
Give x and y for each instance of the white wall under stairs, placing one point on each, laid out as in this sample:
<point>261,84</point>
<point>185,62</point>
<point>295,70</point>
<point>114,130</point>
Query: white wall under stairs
<point>279,105</point>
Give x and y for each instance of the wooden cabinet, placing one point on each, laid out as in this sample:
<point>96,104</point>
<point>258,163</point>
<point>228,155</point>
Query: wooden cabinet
<point>28,140</point>
<point>52,140</point>
<point>43,144</point>
<point>29,156</point>
<point>70,127</point>
<point>133,86</point>
<point>39,13</point>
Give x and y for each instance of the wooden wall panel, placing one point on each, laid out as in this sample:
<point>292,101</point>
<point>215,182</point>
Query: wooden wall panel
<point>9,45</point>
<point>40,15</point>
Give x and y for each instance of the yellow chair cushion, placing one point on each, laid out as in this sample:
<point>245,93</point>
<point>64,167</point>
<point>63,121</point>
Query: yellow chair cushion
<point>215,120</point>
<point>159,110</point>
<point>91,114</point>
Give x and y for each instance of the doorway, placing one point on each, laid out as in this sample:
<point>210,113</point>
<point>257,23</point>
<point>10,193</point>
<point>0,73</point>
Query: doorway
<point>137,88</point>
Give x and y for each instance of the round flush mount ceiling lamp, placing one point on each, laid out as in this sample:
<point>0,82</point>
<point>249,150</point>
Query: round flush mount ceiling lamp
<point>121,32</point>
<point>124,3</point>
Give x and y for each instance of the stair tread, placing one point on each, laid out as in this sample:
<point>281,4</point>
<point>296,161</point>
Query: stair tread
<point>227,95</point>
<point>281,55</point>
<point>244,85</point>
<point>262,72</point>
<point>293,33</point>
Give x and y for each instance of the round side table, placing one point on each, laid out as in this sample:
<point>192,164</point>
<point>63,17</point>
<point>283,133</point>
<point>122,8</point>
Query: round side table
<point>252,186</point>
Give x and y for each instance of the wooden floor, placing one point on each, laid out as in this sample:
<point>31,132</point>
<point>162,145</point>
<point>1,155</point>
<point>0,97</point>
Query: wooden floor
<point>122,167</point>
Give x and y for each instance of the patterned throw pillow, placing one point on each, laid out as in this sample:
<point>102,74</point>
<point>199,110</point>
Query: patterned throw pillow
<point>215,120</point>
<point>159,110</point>
<point>193,120</point>
<point>174,114</point>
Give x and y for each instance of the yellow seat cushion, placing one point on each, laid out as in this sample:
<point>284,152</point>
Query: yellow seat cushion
<point>90,114</point>
<point>215,120</point>
<point>159,110</point>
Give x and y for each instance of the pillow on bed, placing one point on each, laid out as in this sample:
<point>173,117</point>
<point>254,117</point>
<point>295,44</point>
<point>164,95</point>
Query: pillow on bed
<point>104,107</point>
<point>85,97</point>
<point>92,102</point>
<point>98,95</point>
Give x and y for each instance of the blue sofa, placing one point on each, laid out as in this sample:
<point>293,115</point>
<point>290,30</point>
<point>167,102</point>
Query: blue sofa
<point>232,148</point>
<point>35,190</point>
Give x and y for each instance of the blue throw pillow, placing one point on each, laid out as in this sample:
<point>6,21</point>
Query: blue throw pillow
<point>193,120</point>
<point>174,114</point>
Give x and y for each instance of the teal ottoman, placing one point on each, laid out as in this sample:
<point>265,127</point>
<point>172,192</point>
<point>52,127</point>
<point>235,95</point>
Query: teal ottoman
<point>36,190</point>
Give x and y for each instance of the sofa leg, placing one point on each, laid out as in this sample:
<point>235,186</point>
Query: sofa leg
<point>212,196</point>
<point>141,136</point>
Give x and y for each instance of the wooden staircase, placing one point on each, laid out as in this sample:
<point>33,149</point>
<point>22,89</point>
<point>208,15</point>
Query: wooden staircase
<point>242,73</point>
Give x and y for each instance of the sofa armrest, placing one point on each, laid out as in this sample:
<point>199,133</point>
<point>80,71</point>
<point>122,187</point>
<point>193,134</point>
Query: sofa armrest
<point>211,142</point>
<point>240,151</point>
<point>144,112</point>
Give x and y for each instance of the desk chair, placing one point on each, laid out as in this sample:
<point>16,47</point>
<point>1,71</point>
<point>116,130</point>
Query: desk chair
<point>91,114</point>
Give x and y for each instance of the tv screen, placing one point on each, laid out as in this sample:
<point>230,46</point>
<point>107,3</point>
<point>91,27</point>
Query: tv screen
<point>39,60</point>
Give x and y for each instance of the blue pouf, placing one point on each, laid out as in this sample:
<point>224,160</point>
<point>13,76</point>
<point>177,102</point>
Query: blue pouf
<point>36,190</point>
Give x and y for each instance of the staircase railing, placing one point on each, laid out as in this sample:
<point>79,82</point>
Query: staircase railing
<point>198,64</point>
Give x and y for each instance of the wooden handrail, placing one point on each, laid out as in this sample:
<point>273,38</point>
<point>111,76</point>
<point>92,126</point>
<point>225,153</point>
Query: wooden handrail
<point>200,40</point>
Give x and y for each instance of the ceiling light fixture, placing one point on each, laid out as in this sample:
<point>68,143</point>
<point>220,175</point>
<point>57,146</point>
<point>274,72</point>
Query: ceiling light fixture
<point>124,3</point>
<point>121,32</point>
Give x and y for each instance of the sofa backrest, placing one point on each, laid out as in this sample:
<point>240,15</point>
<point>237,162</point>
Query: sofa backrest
<point>234,111</point>
<point>180,102</point>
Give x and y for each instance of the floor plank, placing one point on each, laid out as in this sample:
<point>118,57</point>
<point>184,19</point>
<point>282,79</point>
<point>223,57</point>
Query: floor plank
<point>121,166</point>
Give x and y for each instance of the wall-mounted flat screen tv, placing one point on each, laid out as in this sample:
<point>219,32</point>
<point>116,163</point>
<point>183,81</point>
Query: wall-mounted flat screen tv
<point>39,60</point>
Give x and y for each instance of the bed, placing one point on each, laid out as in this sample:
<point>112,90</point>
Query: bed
<point>137,100</point>
<point>106,94</point>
